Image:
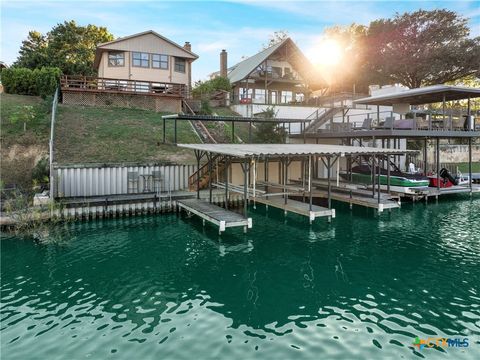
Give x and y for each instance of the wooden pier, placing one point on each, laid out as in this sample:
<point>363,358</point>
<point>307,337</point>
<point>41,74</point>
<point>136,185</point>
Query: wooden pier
<point>297,207</point>
<point>215,214</point>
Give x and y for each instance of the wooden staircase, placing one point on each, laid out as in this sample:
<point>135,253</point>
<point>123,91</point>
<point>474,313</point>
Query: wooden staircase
<point>217,168</point>
<point>321,119</point>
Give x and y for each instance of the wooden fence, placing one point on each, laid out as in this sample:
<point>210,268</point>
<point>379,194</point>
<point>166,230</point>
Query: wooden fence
<point>85,180</point>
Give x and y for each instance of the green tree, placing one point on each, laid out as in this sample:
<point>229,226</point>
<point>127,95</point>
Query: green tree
<point>68,46</point>
<point>205,89</point>
<point>422,48</point>
<point>269,132</point>
<point>23,114</point>
<point>33,51</point>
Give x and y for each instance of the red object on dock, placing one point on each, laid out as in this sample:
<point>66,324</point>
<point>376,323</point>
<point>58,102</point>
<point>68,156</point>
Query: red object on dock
<point>444,183</point>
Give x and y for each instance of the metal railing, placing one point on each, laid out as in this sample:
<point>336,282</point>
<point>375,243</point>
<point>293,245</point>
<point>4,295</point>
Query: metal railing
<point>98,84</point>
<point>50,144</point>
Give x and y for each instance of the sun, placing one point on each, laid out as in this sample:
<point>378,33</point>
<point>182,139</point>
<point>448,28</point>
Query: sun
<point>326,53</point>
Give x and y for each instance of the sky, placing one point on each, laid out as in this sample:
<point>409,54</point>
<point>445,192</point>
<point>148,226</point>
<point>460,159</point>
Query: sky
<point>241,27</point>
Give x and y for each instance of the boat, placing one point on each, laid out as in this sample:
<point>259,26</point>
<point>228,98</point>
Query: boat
<point>363,174</point>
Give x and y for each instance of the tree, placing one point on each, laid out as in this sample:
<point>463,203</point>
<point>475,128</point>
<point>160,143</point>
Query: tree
<point>269,132</point>
<point>205,89</point>
<point>275,38</point>
<point>67,46</point>
<point>33,51</point>
<point>23,114</point>
<point>422,48</point>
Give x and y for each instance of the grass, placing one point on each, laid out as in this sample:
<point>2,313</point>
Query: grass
<point>92,134</point>
<point>463,167</point>
<point>84,135</point>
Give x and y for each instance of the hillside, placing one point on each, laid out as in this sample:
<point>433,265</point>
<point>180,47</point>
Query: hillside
<point>84,135</point>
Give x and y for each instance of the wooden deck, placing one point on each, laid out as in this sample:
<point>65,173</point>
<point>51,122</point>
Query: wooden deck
<point>297,207</point>
<point>215,214</point>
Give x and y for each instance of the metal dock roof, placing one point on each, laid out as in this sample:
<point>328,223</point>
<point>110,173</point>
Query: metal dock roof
<point>253,150</point>
<point>423,95</point>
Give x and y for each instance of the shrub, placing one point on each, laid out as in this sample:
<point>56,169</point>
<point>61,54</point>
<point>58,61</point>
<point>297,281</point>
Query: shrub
<point>204,89</point>
<point>24,81</point>
<point>47,79</point>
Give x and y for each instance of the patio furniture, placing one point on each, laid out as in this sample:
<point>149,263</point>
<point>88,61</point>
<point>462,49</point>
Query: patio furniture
<point>157,180</point>
<point>147,182</point>
<point>132,182</point>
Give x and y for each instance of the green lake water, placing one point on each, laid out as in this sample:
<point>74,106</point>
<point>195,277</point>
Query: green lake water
<point>164,287</point>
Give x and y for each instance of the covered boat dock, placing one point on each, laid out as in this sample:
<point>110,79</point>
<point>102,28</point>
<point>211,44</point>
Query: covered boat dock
<point>278,175</point>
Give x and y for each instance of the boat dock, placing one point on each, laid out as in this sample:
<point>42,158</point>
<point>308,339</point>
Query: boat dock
<point>215,214</point>
<point>297,207</point>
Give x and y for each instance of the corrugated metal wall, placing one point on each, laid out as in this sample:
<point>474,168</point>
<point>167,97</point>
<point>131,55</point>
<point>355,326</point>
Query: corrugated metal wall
<point>111,180</point>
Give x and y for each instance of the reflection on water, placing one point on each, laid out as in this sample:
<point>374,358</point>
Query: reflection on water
<point>160,287</point>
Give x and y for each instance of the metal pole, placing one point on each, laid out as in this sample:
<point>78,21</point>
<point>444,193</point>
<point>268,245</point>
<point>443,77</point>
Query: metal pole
<point>226,183</point>
<point>437,151</point>
<point>266,175</point>
<point>197,155</point>
<point>388,173</point>
<point>373,176</point>
<point>378,182</point>
<point>285,180</point>
<point>233,132</point>
<point>310,187</point>
<point>443,110</point>
<point>245,186</point>
<point>329,184</point>
<point>209,159</point>
<point>470,163</point>
<point>425,157</point>
<point>250,132</point>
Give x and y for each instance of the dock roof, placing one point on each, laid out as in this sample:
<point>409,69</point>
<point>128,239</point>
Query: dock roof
<point>423,95</point>
<point>259,150</point>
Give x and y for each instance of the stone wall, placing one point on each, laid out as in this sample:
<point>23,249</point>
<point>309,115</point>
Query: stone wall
<point>147,102</point>
<point>455,153</point>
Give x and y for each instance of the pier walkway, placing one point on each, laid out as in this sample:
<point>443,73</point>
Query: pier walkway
<point>215,214</point>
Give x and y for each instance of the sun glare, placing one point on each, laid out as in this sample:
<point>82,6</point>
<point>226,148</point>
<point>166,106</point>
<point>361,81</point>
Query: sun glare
<point>327,52</point>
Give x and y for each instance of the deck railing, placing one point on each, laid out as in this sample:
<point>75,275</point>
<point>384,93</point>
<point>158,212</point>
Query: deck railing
<point>98,84</point>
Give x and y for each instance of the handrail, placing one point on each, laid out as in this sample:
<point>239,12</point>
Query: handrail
<point>192,179</point>
<point>90,83</point>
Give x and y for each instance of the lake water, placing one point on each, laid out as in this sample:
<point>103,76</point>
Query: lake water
<point>164,287</point>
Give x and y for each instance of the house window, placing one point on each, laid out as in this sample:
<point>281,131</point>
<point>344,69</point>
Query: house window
<point>259,96</point>
<point>140,59</point>
<point>159,61</point>
<point>286,97</point>
<point>179,65</point>
<point>116,58</point>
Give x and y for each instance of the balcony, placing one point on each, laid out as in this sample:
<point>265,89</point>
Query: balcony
<point>122,86</point>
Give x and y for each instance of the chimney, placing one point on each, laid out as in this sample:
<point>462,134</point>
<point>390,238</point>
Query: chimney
<point>187,46</point>
<point>223,63</point>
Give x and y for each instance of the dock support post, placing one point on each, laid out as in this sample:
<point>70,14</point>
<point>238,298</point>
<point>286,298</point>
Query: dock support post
<point>378,183</point>
<point>266,177</point>
<point>246,169</point>
<point>209,159</point>
<point>197,155</point>
<point>388,173</point>
<point>425,144</point>
<point>310,183</point>
<point>233,132</point>
<point>250,132</point>
<point>373,176</point>
<point>226,182</point>
<point>470,163</point>
<point>437,158</point>
<point>285,180</point>
<point>329,193</point>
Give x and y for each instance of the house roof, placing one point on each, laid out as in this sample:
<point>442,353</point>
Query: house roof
<point>423,95</point>
<point>100,47</point>
<point>241,70</point>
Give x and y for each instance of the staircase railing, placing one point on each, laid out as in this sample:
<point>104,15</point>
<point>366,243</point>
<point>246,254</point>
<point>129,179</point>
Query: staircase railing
<point>203,172</point>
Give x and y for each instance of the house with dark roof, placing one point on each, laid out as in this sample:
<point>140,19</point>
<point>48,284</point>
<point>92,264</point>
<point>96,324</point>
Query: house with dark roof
<point>280,74</point>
